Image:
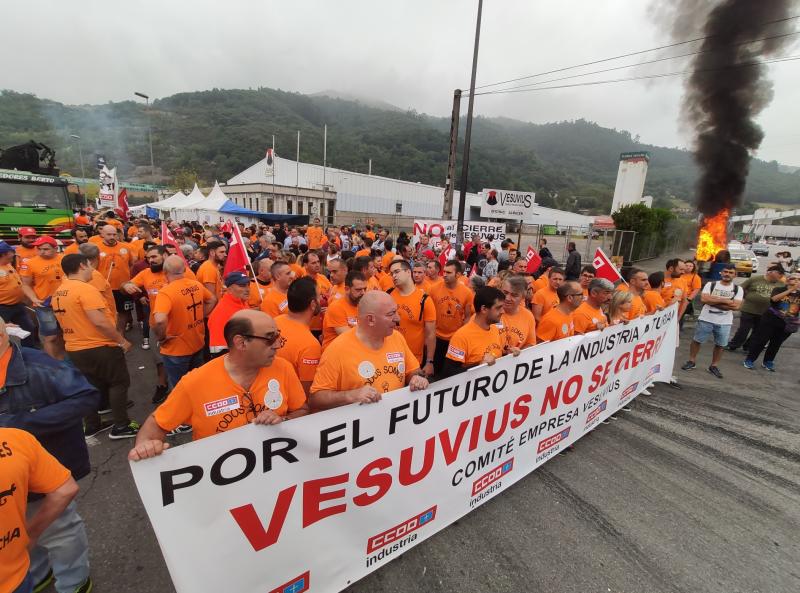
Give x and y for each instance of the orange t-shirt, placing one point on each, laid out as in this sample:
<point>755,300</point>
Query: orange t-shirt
<point>653,300</point>
<point>314,236</point>
<point>362,252</point>
<point>413,317</point>
<point>585,318</point>
<point>102,285</point>
<point>114,222</point>
<point>82,220</point>
<point>387,260</point>
<point>257,293</point>
<point>132,230</point>
<point>671,287</point>
<point>71,249</point>
<point>5,359</point>
<point>554,325</point>
<point>471,343</point>
<point>209,273</point>
<point>374,284</point>
<point>116,259</point>
<point>10,286</point>
<point>370,234</point>
<point>518,330</point>
<point>547,298</point>
<point>541,282</point>
<point>46,274</point>
<point>348,364</point>
<point>340,313</point>
<point>337,291</point>
<point>24,254</point>
<point>298,270</point>
<point>299,347</point>
<point>452,308</point>
<point>25,466</point>
<point>150,282</point>
<point>385,281</point>
<point>138,246</point>
<point>692,282</point>
<point>70,302</point>
<point>323,288</point>
<point>182,301</point>
<point>210,400</point>
<point>274,302</point>
<point>638,307</point>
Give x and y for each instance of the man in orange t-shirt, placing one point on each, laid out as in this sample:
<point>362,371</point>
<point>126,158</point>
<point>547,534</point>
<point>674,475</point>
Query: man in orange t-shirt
<point>342,314</point>
<point>248,385</point>
<point>367,361</point>
<point>382,272</point>
<point>417,314</point>
<point>589,316</point>
<point>209,274</point>
<point>116,259</point>
<point>26,467</point>
<point>95,346</point>
<point>297,344</point>
<point>337,270</point>
<point>79,237</point>
<point>674,289</point>
<point>313,269</point>
<point>41,276</point>
<point>12,298</point>
<point>275,302</point>
<point>517,325</point>
<point>453,303</point>
<point>25,250</point>
<point>558,323</point>
<point>637,281</point>
<point>545,299</point>
<point>179,312</point>
<point>479,341</point>
<point>314,234</point>
<point>235,298</point>
<point>366,266</point>
<point>144,235</point>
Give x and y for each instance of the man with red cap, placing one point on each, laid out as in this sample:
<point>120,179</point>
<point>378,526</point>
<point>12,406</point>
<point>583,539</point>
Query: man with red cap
<point>41,276</point>
<point>25,249</point>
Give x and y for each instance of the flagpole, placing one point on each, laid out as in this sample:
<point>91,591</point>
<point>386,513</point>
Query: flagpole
<point>297,170</point>
<point>274,169</point>
<point>235,229</point>
<point>324,159</point>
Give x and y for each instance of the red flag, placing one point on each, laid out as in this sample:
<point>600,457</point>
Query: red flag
<point>226,227</point>
<point>533,259</point>
<point>237,255</point>
<point>167,238</point>
<point>605,269</point>
<point>122,204</point>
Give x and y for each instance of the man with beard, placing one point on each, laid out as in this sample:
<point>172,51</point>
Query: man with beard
<point>209,274</point>
<point>275,302</point>
<point>116,259</point>
<point>478,341</point>
<point>179,311</point>
<point>146,284</point>
<point>26,250</point>
<point>262,388</point>
<point>298,345</point>
<point>79,236</point>
<point>589,316</point>
<point>343,313</point>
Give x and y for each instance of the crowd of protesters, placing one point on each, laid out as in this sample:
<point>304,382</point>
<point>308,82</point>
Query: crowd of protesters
<point>313,318</point>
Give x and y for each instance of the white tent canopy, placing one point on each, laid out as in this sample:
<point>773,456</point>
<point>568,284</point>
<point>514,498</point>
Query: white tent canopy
<point>167,204</point>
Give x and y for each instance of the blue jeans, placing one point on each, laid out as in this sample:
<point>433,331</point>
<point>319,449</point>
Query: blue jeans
<point>18,314</point>
<point>177,366</point>
<point>63,547</point>
<point>26,586</point>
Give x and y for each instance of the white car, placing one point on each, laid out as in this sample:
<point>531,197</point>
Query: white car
<point>755,262</point>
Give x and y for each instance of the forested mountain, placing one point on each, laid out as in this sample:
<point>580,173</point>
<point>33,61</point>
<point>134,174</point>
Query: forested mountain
<point>218,133</point>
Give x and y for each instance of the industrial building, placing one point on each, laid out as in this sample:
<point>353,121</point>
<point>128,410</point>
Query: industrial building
<point>631,176</point>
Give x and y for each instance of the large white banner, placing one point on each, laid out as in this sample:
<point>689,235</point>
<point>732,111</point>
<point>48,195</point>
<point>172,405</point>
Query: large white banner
<point>318,502</point>
<point>447,229</point>
<point>504,203</point>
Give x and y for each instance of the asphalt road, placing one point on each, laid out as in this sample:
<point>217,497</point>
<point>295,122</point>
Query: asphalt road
<point>697,490</point>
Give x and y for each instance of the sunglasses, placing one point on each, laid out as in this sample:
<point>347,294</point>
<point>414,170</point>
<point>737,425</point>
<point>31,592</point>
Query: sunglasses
<point>269,339</point>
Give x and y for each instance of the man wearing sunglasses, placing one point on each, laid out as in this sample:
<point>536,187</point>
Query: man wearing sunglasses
<point>247,385</point>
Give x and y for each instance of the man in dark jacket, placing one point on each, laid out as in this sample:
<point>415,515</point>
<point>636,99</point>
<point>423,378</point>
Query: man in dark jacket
<point>573,267</point>
<point>49,398</point>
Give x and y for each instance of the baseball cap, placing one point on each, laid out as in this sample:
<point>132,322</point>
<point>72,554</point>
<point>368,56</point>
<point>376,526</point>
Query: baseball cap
<point>429,254</point>
<point>45,240</point>
<point>27,231</point>
<point>5,248</point>
<point>237,278</point>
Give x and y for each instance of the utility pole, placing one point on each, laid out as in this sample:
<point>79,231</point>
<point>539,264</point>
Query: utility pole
<point>297,170</point>
<point>369,170</point>
<point>462,198</point>
<point>324,159</point>
<point>149,135</point>
<point>447,207</point>
<point>274,170</point>
<point>80,152</point>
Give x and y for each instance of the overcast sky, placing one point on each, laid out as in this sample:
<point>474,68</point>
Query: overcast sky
<point>411,53</point>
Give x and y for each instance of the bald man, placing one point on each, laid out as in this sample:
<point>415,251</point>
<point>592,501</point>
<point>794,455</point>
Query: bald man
<point>367,361</point>
<point>116,259</point>
<point>248,385</point>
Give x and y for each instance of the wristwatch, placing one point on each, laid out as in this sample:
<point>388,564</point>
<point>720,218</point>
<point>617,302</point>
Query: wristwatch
<point>428,362</point>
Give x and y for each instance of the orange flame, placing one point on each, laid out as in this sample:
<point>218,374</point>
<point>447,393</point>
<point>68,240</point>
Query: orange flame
<point>713,236</point>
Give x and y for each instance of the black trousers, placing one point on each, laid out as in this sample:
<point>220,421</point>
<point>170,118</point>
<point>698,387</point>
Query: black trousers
<point>747,324</point>
<point>439,355</point>
<point>770,332</point>
<point>105,368</point>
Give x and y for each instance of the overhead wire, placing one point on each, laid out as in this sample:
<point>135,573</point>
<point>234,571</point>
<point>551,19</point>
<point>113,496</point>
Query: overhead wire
<point>619,57</point>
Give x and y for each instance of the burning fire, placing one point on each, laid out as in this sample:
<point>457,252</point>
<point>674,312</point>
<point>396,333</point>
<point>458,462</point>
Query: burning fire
<point>713,236</point>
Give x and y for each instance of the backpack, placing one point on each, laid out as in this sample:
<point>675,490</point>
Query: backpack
<point>421,302</point>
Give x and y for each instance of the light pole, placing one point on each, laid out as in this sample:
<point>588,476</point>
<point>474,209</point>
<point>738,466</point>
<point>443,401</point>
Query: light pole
<point>80,152</point>
<point>149,134</point>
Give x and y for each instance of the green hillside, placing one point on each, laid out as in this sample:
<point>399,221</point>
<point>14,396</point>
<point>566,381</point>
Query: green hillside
<point>218,133</point>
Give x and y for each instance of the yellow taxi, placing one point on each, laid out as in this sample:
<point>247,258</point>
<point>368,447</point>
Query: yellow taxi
<point>743,260</point>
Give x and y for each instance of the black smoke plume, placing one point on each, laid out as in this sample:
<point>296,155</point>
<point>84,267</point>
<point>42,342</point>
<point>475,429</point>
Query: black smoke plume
<point>724,94</point>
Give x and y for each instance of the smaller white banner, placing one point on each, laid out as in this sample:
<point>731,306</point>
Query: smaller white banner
<point>438,229</point>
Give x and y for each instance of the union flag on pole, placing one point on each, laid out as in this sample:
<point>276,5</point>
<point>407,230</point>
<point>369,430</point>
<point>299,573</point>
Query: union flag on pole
<point>533,259</point>
<point>226,227</point>
<point>237,255</point>
<point>605,269</point>
<point>122,204</point>
<point>167,238</point>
